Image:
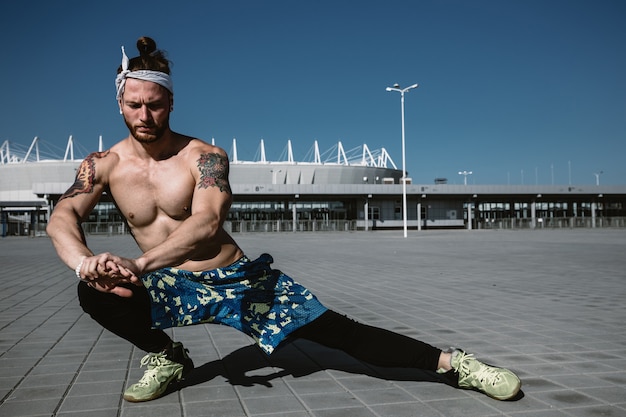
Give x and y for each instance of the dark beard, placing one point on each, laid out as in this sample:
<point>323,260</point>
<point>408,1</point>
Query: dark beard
<point>157,132</point>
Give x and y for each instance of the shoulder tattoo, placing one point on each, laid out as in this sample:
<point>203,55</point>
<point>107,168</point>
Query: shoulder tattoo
<point>214,172</point>
<point>85,177</point>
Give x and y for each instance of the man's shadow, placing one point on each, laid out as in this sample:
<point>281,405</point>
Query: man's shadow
<point>299,358</point>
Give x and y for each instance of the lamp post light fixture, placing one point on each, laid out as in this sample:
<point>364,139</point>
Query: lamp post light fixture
<point>597,174</point>
<point>465,174</point>
<point>396,87</point>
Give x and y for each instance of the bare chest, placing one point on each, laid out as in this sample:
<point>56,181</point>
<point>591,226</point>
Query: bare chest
<point>156,194</point>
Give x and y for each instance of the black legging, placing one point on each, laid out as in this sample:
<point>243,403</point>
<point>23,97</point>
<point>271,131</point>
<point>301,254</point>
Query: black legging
<point>130,319</point>
<point>369,344</point>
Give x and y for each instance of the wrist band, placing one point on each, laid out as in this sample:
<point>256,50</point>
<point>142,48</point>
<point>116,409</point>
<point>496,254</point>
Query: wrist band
<point>77,269</point>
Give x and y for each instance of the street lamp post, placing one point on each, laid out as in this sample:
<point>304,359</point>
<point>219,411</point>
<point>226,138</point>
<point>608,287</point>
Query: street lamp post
<point>465,174</point>
<point>397,88</point>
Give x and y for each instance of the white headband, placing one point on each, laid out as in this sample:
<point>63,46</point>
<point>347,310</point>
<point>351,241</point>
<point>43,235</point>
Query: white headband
<point>157,77</point>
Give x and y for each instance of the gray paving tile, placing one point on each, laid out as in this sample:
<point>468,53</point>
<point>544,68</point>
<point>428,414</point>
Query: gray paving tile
<point>152,410</point>
<point>303,386</point>
<point>344,412</point>
<point>603,410</point>
<point>109,412</point>
<point>208,392</point>
<point>88,403</point>
<point>275,404</point>
<point>364,382</point>
<point>79,389</point>
<point>101,376</point>
<point>217,408</point>
<point>48,392</point>
<point>391,395</point>
<point>46,380</point>
<point>408,409</point>
<point>565,399</point>
<point>28,408</point>
<point>332,400</point>
<point>467,407</point>
<point>258,390</point>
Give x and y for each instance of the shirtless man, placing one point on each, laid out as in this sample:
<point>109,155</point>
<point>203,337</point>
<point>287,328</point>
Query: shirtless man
<point>174,193</point>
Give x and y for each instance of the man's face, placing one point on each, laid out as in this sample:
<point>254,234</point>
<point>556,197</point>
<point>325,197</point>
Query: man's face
<point>146,109</point>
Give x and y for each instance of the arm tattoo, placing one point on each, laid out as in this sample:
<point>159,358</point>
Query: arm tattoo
<point>213,172</point>
<point>85,177</point>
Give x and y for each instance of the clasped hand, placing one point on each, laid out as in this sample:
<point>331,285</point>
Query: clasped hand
<point>105,272</point>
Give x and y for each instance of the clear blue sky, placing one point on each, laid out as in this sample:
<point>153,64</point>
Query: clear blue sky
<point>506,86</point>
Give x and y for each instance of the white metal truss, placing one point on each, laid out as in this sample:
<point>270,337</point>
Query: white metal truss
<point>336,155</point>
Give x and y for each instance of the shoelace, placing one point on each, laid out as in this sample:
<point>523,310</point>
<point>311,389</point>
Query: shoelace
<point>148,377</point>
<point>152,361</point>
<point>485,374</point>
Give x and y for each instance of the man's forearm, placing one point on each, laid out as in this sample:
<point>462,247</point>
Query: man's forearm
<point>69,241</point>
<point>187,241</point>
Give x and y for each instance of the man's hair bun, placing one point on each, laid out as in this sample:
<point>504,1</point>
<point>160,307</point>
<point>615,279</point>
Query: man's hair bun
<point>150,58</point>
<point>146,46</point>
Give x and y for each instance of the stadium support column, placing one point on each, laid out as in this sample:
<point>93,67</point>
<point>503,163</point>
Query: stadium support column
<point>419,215</point>
<point>4,220</point>
<point>34,215</point>
<point>593,214</point>
<point>419,212</point>
<point>294,214</point>
<point>366,209</point>
<point>471,207</point>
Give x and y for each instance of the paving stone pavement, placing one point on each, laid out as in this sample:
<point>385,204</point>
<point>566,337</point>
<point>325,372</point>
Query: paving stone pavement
<point>549,304</point>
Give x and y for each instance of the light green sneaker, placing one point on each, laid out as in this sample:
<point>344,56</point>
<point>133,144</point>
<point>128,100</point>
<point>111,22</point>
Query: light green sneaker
<point>498,383</point>
<point>162,370</point>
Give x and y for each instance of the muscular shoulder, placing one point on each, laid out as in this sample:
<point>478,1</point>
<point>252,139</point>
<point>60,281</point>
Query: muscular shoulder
<point>196,147</point>
<point>211,166</point>
<point>92,172</point>
<point>100,164</point>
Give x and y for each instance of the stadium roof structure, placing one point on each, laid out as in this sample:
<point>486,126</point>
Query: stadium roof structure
<point>38,151</point>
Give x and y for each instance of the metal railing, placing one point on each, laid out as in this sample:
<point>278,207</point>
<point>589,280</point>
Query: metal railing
<point>554,223</point>
<point>277,226</point>
<point>288,226</point>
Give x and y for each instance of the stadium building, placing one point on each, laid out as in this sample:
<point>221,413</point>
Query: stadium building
<point>338,190</point>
